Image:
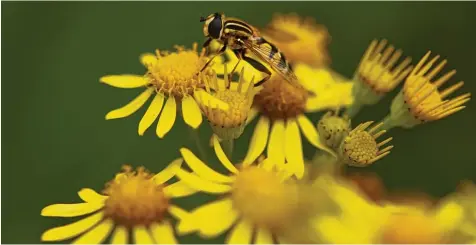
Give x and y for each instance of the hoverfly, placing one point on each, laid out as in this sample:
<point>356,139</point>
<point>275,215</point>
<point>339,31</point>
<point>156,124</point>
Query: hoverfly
<point>241,37</point>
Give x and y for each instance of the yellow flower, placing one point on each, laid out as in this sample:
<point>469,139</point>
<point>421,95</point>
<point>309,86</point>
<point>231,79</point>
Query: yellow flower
<point>175,79</point>
<point>420,101</point>
<point>377,74</point>
<point>333,129</point>
<point>362,221</point>
<point>229,124</point>
<point>301,40</point>
<point>135,201</point>
<point>282,107</point>
<point>360,147</point>
<point>254,197</point>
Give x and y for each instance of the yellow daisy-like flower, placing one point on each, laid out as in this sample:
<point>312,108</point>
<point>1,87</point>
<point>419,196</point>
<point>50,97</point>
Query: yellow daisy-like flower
<point>282,107</point>
<point>360,147</point>
<point>420,100</point>
<point>174,78</point>
<point>333,129</point>
<point>362,221</point>
<point>377,74</point>
<point>134,201</point>
<point>229,124</point>
<point>300,39</point>
<point>245,191</point>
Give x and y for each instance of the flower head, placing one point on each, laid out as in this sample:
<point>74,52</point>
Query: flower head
<point>377,74</point>
<point>229,124</point>
<point>300,39</point>
<point>360,147</point>
<point>282,107</point>
<point>360,220</point>
<point>174,77</point>
<point>420,100</point>
<point>134,200</point>
<point>246,190</point>
<point>333,129</point>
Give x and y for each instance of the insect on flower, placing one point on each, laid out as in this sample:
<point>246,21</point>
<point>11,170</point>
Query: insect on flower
<point>241,37</point>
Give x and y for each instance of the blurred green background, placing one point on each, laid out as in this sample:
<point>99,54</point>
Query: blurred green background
<point>56,140</point>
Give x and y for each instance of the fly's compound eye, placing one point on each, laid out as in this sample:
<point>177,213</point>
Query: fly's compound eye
<point>214,27</point>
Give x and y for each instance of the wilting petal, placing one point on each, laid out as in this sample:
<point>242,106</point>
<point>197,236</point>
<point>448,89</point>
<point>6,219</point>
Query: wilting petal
<point>124,81</point>
<point>208,100</point>
<point>163,233</point>
<point>258,140</point>
<point>96,235</point>
<point>152,113</point>
<point>168,172</point>
<point>241,233</point>
<point>142,236</point>
<point>71,210</point>
<point>167,119</point>
<point>89,195</point>
<point>131,107</point>
<point>293,149</point>
<point>201,169</point>
<point>201,184</point>
<point>120,235</point>
<point>71,230</point>
<point>191,112</point>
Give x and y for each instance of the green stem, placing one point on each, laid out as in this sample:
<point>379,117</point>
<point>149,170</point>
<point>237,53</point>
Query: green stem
<point>196,138</point>
<point>353,109</point>
<point>387,123</point>
<point>228,147</point>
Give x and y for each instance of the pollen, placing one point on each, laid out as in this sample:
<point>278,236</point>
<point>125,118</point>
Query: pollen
<point>378,68</point>
<point>260,196</point>
<point>360,147</point>
<point>411,229</point>
<point>301,39</point>
<point>421,94</point>
<point>229,124</point>
<point>333,129</point>
<point>178,73</point>
<point>280,100</point>
<point>134,199</point>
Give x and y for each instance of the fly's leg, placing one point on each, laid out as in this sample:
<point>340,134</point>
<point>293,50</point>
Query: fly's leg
<point>239,54</point>
<point>221,51</point>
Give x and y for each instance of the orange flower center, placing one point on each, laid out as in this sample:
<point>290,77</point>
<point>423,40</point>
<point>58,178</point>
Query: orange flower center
<point>134,198</point>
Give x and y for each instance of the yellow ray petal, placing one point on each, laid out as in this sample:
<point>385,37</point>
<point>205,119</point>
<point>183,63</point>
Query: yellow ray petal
<point>141,235</point>
<point>293,149</point>
<point>251,115</point>
<point>148,59</point>
<point>152,113</point>
<point>131,107</point>
<point>168,172</point>
<point>263,236</point>
<point>71,210</point>
<point>179,189</point>
<point>240,234</point>
<point>214,218</point>
<point>311,134</point>
<point>338,95</point>
<point>177,212</point>
<point>222,157</point>
<point>276,143</point>
<point>201,169</point>
<point>201,184</point>
<point>191,112</point>
<point>124,81</point>
<point>167,119</point>
<point>258,140</point>
<point>71,230</point>
<point>96,235</point>
<point>163,233</point>
<point>206,99</point>
<point>120,235</point>
<point>90,195</point>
